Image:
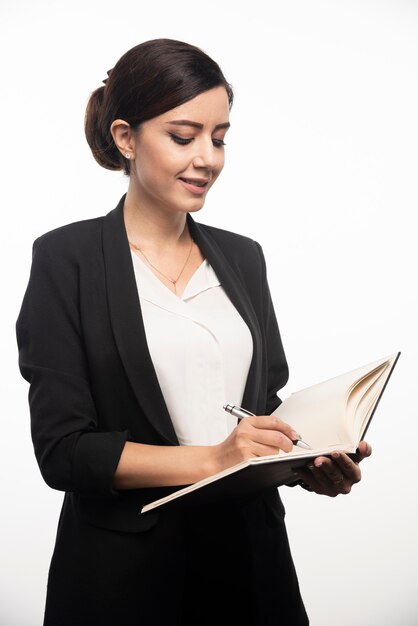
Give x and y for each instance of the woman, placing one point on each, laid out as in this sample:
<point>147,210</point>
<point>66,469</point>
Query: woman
<point>135,330</point>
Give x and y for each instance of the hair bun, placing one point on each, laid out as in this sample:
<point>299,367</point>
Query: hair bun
<point>106,79</point>
<point>98,133</point>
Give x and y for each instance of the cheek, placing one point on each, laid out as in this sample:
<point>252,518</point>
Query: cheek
<point>156,166</point>
<point>220,164</point>
<point>166,163</point>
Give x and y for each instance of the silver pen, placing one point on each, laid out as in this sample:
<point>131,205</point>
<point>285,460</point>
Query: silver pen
<point>240,413</point>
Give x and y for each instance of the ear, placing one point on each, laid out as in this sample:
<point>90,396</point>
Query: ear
<point>123,136</point>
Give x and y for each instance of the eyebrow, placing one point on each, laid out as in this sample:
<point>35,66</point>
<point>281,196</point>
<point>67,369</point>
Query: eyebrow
<point>197,124</point>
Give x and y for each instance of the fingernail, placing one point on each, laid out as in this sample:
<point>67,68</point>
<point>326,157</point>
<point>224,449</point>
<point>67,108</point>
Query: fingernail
<point>318,463</point>
<point>335,455</point>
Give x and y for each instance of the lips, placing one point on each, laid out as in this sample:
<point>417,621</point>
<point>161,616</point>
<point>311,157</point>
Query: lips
<point>197,182</point>
<point>195,186</point>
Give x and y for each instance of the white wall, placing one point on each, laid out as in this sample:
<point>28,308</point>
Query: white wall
<point>321,169</point>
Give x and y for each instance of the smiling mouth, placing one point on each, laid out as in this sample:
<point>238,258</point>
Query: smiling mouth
<point>197,182</point>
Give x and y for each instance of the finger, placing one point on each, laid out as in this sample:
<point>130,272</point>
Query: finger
<point>348,468</point>
<point>267,430</point>
<point>308,481</point>
<point>258,449</point>
<point>271,422</point>
<point>272,439</point>
<point>321,484</point>
<point>250,435</point>
<point>330,476</point>
<point>363,451</point>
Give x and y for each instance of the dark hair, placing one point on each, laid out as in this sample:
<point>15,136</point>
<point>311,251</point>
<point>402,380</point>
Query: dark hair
<point>148,80</point>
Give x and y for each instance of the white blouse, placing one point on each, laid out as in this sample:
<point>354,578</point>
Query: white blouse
<point>201,349</point>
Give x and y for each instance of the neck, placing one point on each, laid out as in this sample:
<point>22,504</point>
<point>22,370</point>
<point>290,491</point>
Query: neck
<point>151,226</point>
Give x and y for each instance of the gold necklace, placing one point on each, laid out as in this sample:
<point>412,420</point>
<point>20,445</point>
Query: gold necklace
<point>173,281</point>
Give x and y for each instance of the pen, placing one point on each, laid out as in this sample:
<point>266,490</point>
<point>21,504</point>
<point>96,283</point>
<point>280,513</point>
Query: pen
<point>240,413</point>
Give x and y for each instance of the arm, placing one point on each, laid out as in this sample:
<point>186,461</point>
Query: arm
<point>73,455</point>
<point>151,466</point>
<point>142,465</point>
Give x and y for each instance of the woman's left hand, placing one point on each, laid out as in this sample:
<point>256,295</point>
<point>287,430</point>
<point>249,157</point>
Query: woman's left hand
<point>330,476</point>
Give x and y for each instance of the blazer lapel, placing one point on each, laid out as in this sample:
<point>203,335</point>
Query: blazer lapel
<point>127,323</point>
<point>238,295</point>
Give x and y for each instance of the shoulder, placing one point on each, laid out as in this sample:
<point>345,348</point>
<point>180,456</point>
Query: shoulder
<point>71,233</point>
<point>232,243</point>
<point>244,254</point>
<point>72,240</point>
<point>229,236</point>
<point>79,240</point>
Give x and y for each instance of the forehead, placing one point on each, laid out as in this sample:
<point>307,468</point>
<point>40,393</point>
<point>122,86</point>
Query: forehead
<point>208,108</point>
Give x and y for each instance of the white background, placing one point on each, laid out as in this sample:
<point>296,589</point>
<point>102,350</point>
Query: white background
<point>322,170</point>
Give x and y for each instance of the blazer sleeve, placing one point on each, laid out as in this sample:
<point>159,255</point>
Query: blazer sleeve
<point>277,368</point>
<point>72,453</point>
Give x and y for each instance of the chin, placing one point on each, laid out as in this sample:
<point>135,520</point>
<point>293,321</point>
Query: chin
<point>196,208</point>
<point>193,206</point>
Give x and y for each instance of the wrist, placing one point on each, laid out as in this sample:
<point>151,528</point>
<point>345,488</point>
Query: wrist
<point>213,461</point>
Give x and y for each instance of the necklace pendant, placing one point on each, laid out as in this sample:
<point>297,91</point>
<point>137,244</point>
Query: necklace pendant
<point>173,282</point>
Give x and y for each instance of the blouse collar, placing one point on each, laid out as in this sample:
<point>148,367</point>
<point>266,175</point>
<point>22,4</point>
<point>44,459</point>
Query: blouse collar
<point>151,288</point>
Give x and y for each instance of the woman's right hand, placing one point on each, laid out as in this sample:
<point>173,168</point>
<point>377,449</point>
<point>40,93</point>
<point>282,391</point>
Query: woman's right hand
<point>258,435</point>
<point>143,465</point>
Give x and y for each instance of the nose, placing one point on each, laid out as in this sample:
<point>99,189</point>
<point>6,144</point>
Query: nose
<point>207,155</point>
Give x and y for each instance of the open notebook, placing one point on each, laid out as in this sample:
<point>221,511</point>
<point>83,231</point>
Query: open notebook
<point>330,415</point>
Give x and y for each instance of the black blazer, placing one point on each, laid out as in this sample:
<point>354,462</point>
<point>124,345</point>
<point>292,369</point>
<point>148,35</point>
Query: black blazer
<point>82,347</point>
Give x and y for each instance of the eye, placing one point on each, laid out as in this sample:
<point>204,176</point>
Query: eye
<point>184,141</point>
<point>180,140</point>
